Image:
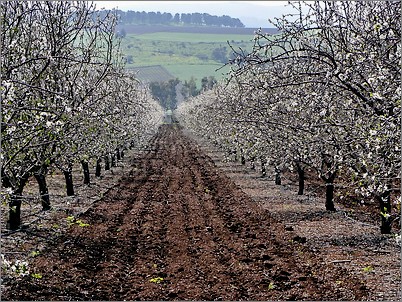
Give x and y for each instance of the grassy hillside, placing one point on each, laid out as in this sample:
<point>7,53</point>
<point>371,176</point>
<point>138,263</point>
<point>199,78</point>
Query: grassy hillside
<point>193,37</point>
<point>183,54</point>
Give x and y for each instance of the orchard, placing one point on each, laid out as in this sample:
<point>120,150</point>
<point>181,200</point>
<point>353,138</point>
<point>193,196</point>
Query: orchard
<point>65,96</point>
<point>261,186</point>
<point>323,95</point>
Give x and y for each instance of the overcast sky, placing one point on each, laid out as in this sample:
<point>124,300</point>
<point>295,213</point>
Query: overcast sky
<point>251,13</point>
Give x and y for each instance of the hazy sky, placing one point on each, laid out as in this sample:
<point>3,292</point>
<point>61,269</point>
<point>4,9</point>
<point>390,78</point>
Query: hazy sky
<point>251,13</point>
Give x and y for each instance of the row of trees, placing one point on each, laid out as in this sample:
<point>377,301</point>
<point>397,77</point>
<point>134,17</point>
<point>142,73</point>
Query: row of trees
<point>323,95</point>
<point>64,94</point>
<point>201,19</point>
<point>170,93</point>
<point>165,93</point>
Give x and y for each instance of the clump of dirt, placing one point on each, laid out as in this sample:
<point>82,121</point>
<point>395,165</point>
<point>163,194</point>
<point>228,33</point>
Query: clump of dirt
<point>177,228</point>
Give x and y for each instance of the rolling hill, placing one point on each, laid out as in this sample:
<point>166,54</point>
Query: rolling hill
<point>185,52</point>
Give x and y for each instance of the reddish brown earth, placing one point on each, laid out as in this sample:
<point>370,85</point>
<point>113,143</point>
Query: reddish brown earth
<point>177,228</point>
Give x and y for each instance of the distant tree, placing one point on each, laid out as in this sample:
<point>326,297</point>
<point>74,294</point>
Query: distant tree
<point>237,23</point>
<point>190,88</point>
<point>176,18</point>
<point>136,17</point>
<point>129,59</point>
<point>128,17</point>
<point>208,83</point>
<point>185,18</point>
<point>165,93</point>
<point>210,20</point>
<point>202,57</point>
<point>204,83</point>
<point>226,20</point>
<point>121,33</point>
<point>220,54</point>
<point>166,18</point>
<point>143,17</point>
<point>196,18</point>
<point>152,17</point>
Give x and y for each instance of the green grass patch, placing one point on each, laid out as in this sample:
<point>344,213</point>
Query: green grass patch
<point>194,37</point>
<point>184,55</point>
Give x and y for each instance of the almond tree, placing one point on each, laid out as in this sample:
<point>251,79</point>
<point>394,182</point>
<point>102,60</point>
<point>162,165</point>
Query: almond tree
<point>352,48</point>
<point>58,60</point>
<point>324,94</point>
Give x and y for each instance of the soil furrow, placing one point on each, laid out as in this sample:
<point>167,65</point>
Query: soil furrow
<point>176,228</point>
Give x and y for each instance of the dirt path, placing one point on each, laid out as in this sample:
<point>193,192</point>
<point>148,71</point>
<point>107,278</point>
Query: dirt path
<point>348,238</point>
<point>177,228</point>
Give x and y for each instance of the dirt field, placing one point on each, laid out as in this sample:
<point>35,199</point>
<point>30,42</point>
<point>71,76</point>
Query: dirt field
<point>180,227</point>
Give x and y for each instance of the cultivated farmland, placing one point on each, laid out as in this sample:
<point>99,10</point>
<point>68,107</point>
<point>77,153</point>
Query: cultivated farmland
<point>184,54</point>
<point>282,182</point>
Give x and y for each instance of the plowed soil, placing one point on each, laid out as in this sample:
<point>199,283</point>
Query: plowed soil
<point>178,228</point>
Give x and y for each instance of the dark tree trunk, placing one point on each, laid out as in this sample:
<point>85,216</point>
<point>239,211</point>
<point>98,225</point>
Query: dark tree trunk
<point>329,192</point>
<point>385,210</point>
<point>113,160</point>
<point>5,181</point>
<point>85,169</point>
<point>300,173</point>
<point>242,158</point>
<point>43,191</point>
<point>118,154</point>
<point>107,164</point>
<point>98,168</point>
<point>68,175</point>
<point>234,154</point>
<point>14,214</point>
<point>263,168</point>
<point>329,197</point>
<point>122,153</point>
<point>252,167</point>
<point>278,180</point>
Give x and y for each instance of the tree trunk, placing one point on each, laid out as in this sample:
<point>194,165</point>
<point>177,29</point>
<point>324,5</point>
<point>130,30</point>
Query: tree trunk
<point>329,192</point>
<point>113,160</point>
<point>252,167</point>
<point>385,210</point>
<point>122,153</point>
<point>329,197</point>
<point>43,191</point>
<point>263,169</point>
<point>278,180</point>
<point>85,168</point>
<point>14,214</point>
<point>98,168</point>
<point>68,175</point>
<point>242,158</point>
<point>300,173</point>
<point>118,154</point>
<point>107,164</point>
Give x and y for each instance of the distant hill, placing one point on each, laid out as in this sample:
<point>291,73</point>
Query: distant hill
<point>147,29</point>
<point>149,74</point>
<point>199,19</point>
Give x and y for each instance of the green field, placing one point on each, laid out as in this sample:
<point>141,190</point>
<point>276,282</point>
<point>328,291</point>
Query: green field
<point>193,37</point>
<point>184,55</point>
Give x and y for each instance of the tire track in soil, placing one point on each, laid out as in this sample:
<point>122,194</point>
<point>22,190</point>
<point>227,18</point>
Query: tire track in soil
<point>178,218</point>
